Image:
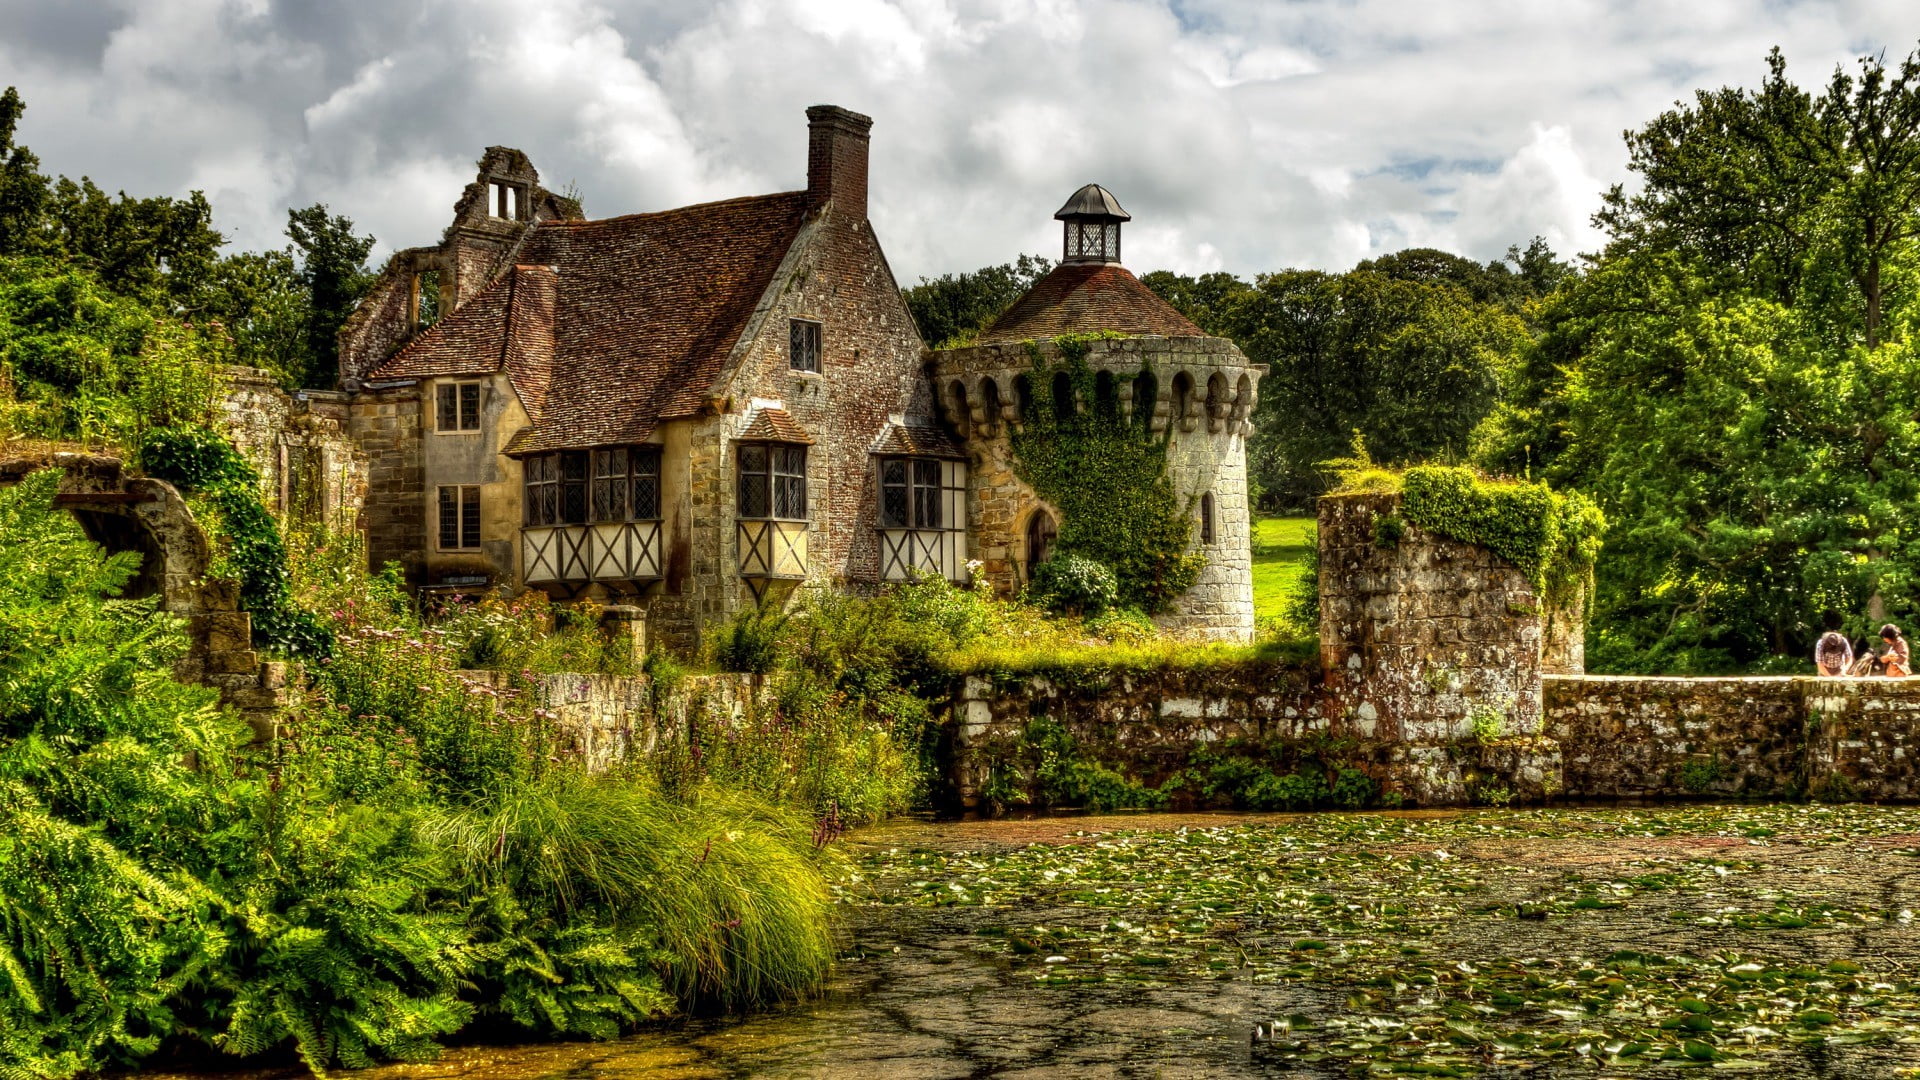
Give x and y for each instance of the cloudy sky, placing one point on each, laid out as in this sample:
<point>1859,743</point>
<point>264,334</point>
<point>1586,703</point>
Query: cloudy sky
<point>1243,135</point>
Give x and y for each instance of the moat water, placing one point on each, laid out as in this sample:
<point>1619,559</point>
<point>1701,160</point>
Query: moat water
<point>1152,946</point>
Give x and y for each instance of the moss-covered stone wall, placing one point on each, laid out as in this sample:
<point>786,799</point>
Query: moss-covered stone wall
<point>1632,737</point>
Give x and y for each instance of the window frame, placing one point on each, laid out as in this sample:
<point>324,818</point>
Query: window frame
<point>922,489</point>
<point>506,200</point>
<point>1209,528</point>
<point>465,504</point>
<point>456,392</point>
<point>779,482</point>
<point>806,357</point>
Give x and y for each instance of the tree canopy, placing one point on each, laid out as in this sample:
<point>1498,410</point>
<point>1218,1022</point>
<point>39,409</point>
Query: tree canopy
<point>1409,350</point>
<point>278,310</point>
<point>1734,379</point>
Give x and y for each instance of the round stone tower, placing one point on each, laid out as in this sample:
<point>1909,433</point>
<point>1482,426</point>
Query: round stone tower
<point>1152,369</point>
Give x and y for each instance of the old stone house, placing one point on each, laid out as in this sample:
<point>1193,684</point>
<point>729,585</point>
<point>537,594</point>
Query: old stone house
<point>687,410</point>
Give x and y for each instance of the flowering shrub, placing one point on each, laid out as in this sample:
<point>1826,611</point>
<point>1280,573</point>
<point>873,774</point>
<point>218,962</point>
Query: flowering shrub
<point>1075,584</point>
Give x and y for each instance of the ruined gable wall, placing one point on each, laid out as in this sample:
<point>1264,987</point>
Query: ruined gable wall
<point>1419,635</point>
<point>310,467</point>
<point>385,424</point>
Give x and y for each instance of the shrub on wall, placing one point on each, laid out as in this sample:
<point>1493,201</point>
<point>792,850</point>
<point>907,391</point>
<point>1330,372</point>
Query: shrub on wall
<point>1075,584</point>
<point>1553,537</point>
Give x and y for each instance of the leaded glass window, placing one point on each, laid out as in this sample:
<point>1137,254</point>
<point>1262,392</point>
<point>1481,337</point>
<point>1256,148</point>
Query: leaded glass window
<point>910,493</point>
<point>573,487</point>
<point>772,481</point>
<point>754,498</point>
<point>456,407</point>
<point>543,489</point>
<point>459,517</point>
<point>643,484</point>
<point>896,504</point>
<point>803,345</point>
<point>610,484</point>
<point>790,482</point>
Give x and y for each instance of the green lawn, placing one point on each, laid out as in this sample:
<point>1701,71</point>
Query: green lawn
<point>1280,545</point>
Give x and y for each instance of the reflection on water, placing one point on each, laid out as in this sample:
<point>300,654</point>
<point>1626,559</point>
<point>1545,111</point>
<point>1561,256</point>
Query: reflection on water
<point>917,994</point>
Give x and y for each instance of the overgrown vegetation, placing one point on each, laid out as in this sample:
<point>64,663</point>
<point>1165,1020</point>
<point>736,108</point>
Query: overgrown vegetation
<point>411,857</point>
<point>1108,477</point>
<point>226,492</point>
<point>1552,536</point>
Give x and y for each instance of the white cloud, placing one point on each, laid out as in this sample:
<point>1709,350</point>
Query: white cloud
<point>1242,135</point>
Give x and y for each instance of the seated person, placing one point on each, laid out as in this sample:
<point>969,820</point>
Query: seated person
<point>1894,663</point>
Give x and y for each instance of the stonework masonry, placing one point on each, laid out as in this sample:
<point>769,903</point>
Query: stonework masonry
<point>1421,637</point>
<point>310,466</point>
<point>121,511</point>
<point>1206,424</point>
<point>1641,737</point>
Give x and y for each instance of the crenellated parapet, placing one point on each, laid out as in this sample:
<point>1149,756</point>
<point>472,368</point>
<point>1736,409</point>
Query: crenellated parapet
<point>1186,384</point>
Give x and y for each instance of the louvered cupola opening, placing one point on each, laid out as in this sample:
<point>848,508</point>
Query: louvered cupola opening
<point>1092,220</point>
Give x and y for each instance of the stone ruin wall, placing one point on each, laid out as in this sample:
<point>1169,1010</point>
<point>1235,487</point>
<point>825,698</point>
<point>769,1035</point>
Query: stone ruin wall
<point>1206,452</point>
<point>1419,638</point>
<point>121,511</point>
<point>601,721</point>
<point>1643,737</point>
<point>310,466</point>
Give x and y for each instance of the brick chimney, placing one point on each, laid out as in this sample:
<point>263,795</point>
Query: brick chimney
<point>837,159</point>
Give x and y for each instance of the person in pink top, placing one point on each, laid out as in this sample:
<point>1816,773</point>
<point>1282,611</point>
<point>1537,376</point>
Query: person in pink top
<point>1894,662</point>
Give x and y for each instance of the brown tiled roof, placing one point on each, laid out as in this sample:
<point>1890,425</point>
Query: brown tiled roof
<point>615,324</point>
<point>774,425</point>
<point>916,440</point>
<point>648,308</point>
<point>1081,298</point>
<point>508,325</point>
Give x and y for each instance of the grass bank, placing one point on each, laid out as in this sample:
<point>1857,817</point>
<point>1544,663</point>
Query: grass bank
<point>1281,547</point>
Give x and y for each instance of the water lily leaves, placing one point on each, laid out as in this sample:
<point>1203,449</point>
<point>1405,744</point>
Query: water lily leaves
<point>1620,939</point>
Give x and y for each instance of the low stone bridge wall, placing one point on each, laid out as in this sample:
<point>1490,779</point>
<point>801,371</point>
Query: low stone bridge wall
<point>1649,737</point>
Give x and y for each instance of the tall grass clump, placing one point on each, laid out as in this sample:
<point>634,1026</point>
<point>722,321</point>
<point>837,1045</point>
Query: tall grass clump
<point>723,887</point>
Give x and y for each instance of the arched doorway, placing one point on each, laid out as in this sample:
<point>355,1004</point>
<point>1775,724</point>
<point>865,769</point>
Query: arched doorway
<point>1042,532</point>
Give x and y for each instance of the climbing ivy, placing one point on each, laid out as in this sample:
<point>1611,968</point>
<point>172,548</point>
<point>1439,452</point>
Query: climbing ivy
<point>1108,478</point>
<point>202,463</point>
<point>1552,536</point>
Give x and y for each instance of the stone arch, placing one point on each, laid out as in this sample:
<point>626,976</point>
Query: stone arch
<point>1182,405</point>
<point>959,412</point>
<point>1106,400</point>
<point>990,404</point>
<point>1209,529</point>
<point>1023,397</point>
<point>1217,403</point>
<point>1038,536</point>
<point>1064,407</point>
<point>1146,396</point>
<point>121,512</point>
<point>1244,399</point>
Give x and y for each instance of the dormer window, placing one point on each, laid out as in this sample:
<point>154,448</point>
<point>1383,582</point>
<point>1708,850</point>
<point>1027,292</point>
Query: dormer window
<point>456,407</point>
<point>505,200</point>
<point>803,345</point>
<point>1092,221</point>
